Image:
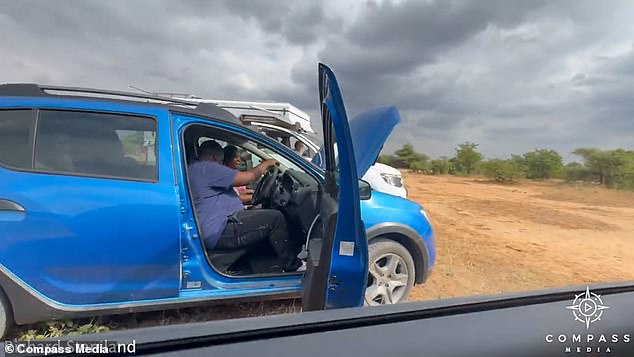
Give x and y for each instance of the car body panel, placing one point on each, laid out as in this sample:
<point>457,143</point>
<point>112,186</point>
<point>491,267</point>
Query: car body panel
<point>369,131</point>
<point>386,210</point>
<point>94,244</point>
<point>376,177</point>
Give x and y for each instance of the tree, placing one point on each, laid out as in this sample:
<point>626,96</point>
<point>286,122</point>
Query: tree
<point>597,162</point>
<point>612,168</point>
<point>575,171</point>
<point>543,164</point>
<point>441,166</point>
<point>419,166</point>
<point>621,169</point>
<point>454,168</point>
<point>406,151</point>
<point>387,159</point>
<point>405,157</point>
<point>504,171</point>
<point>467,157</point>
<point>408,155</point>
<point>518,159</point>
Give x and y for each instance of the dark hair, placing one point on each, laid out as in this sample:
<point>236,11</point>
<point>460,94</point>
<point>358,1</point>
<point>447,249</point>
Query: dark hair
<point>297,144</point>
<point>210,148</point>
<point>230,152</point>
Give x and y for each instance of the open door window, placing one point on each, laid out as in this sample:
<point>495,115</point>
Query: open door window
<point>337,261</point>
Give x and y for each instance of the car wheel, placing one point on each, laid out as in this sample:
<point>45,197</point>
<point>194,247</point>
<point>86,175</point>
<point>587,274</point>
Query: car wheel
<point>391,273</point>
<point>6,316</point>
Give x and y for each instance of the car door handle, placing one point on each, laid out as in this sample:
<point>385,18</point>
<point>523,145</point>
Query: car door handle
<point>8,205</point>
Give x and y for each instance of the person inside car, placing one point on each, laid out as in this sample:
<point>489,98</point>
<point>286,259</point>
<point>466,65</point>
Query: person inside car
<point>233,160</point>
<point>299,148</point>
<point>225,224</point>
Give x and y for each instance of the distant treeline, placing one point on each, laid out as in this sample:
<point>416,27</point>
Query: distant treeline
<point>611,168</point>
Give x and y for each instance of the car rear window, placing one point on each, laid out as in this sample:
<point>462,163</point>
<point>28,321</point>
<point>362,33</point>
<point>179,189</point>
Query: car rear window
<point>16,127</point>
<point>96,144</point>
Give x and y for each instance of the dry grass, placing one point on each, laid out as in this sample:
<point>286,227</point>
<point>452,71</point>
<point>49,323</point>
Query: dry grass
<point>145,319</point>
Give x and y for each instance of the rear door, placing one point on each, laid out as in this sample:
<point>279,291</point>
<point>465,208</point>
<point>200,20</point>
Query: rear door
<point>95,216</point>
<point>337,263</point>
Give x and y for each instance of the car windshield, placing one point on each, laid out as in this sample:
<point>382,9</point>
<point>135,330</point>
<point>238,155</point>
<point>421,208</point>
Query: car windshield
<point>267,153</point>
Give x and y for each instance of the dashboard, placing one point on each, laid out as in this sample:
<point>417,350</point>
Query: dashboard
<point>296,195</point>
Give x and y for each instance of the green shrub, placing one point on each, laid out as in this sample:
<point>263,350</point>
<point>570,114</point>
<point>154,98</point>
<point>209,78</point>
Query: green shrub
<point>419,166</point>
<point>575,171</point>
<point>504,171</point>
<point>542,164</point>
<point>441,167</point>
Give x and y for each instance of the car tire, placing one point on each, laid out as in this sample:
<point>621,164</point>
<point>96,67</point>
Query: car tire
<point>6,315</point>
<point>391,274</point>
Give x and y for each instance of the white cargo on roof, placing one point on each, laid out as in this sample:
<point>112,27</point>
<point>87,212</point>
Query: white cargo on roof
<point>281,114</point>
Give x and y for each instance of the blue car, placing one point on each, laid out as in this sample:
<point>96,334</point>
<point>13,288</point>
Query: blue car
<point>96,216</point>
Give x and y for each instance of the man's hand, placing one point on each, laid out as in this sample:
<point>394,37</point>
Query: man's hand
<point>246,197</point>
<point>246,177</point>
<point>264,165</point>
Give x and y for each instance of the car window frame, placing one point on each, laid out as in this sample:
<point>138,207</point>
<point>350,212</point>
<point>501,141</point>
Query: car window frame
<point>36,111</point>
<point>31,143</point>
<point>257,137</point>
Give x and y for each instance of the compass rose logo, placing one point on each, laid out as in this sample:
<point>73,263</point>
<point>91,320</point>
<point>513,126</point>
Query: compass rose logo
<point>587,307</point>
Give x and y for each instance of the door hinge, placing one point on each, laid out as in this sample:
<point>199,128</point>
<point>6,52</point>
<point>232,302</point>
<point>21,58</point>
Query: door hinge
<point>333,283</point>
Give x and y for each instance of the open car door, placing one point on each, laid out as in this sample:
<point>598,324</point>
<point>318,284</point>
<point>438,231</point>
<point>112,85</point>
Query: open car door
<point>337,262</point>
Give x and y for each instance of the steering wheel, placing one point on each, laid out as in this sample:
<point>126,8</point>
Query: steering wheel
<point>266,187</point>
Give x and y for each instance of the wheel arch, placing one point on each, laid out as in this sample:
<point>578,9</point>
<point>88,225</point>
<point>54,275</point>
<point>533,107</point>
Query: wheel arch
<point>9,308</point>
<point>410,239</point>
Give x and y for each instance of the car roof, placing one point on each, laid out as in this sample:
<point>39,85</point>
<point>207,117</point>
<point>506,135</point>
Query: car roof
<point>205,110</point>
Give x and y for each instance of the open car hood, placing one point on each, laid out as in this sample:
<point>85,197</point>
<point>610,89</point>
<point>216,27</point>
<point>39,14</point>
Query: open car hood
<point>369,130</point>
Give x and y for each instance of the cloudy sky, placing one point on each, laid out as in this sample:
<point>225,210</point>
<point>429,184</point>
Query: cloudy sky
<point>510,75</point>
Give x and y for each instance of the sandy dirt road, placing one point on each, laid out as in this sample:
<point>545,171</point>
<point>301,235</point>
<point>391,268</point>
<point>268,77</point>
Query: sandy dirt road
<point>494,238</point>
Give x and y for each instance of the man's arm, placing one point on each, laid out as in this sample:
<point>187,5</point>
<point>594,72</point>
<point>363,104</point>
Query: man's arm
<point>246,177</point>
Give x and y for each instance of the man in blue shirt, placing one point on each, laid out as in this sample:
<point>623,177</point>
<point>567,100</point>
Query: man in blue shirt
<point>224,222</point>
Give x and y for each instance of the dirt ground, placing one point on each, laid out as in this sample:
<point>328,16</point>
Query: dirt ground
<point>493,238</point>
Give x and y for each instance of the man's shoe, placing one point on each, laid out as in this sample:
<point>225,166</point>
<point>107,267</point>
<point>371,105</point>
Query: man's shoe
<point>294,266</point>
<point>302,267</point>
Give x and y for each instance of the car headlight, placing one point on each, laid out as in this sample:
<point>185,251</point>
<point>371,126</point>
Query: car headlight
<point>394,180</point>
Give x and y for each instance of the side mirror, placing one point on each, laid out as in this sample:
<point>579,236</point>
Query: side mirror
<point>365,191</point>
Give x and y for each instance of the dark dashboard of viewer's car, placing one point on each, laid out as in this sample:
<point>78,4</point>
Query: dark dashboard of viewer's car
<point>542,323</point>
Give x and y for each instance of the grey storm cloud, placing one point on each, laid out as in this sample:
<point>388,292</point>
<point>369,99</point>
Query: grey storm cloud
<point>510,75</point>
<point>298,23</point>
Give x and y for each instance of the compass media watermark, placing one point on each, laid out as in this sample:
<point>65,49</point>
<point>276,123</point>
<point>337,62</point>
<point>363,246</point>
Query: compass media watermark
<point>588,308</point>
<point>46,348</point>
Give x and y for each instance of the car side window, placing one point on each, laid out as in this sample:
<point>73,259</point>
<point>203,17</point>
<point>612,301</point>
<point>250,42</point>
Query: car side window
<point>96,144</point>
<point>16,127</point>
